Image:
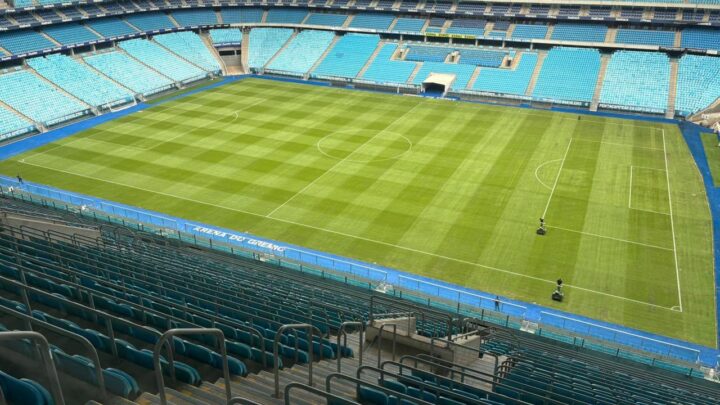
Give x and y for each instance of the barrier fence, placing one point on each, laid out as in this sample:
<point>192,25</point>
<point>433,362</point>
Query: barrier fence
<point>482,306</point>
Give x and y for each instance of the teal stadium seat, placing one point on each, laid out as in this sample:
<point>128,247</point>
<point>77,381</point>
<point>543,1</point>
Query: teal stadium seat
<point>637,81</point>
<point>303,51</point>
<point>568,74</point>
<point>129,72</point>
<point>348,56</point>
<point>264,43</point>
<point>190,47</point>
<point>697,85</point>
<point>508,81</point>
<point>226,36</point>
<point>385,70</point>
<point>162,60</point>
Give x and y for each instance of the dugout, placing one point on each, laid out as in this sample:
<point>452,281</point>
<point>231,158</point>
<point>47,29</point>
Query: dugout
<point>438,83</point>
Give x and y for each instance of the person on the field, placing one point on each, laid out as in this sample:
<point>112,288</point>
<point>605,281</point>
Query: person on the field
<point>20,180</point>
<point>497,303</point>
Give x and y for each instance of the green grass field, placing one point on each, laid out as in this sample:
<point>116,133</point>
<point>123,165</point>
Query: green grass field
<point>444,189</point>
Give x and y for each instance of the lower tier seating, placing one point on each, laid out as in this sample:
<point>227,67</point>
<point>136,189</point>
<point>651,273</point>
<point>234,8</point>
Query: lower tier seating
<point>508,81</point>
<point>264,43</point>
<point>348,56</point>
<point>129,72</point>
<point>568,74</point>
<point>162,60</point>
<point>303,51</point>
<point>697,83</point>
<point>191,48</point>
<point>385,70</point>
<point>637,81</point>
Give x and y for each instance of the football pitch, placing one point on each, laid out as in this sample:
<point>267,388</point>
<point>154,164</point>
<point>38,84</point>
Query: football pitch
<point>448,190</point>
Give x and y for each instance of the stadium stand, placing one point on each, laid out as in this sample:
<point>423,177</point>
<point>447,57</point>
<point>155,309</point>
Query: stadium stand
<point>37,99</point>
<point>373,21</point>
<point>331,20</point>
<point>12,125</point>
<point>130,73</point>
<point>645,37</point>
<point>579,32</point>
<point>162,60</point>
<point>409,25</point>
<point>190,47</point>
<point>701,38</point>
<point>111,27</point>
<point>427,53</point>
<point>68,34</point>
<point>241,15</point>
<point>286,15</point>
<point>80,81</point>
<point>226,36</point>
<point>150,21</point>
<point>637,81</point>
<point>303,51</point>
<point>467,27</point>
<point>18,42</point>
<point>697,84</point>
<point>48,15</point>
<point>266,42</point>
<point>508,81</point>
<point>385,70</point>
<point>482,57</point>
<point>348,56</point>
<point>568,74</point>
<point>470,8</point>
<point>189,18</point>
<point>462,73</point>
<point>529,31</point>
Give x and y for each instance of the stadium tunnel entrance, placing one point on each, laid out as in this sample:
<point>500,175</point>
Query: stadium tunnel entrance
<point>437,84</point>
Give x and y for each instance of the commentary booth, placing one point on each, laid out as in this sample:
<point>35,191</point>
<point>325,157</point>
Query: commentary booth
<point>438,84</point>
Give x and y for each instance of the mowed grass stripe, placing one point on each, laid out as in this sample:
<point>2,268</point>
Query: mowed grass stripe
<point>460,205</point>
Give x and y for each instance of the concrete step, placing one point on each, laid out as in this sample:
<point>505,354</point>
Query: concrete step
<point>371,59</point>
<point>598,86</point>
<point>536,73</point>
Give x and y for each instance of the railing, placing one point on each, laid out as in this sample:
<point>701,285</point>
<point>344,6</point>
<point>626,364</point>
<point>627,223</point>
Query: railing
<point>358,383</point>
<point>602,332</point>
<point>45,357</point>
<point>241,401</point>
<point>341,332</point>
<point>276,345</point>
<point>448,344</point>
<point>90,349</point>
<point>196,331</point>
<point>394,341</point>
<point>329,398</point>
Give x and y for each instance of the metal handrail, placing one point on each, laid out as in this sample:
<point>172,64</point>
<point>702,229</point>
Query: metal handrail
<point>394,340</point>
<point>331,398</point>
<point>358,382</point>
<point>463,370</point>
<point>45,357</point>
<point>242,401</point>
<point>341,332</point>
<point>448,344</point>
<point>188,331</point>
<point>276,344</point>
<point>74,336</point>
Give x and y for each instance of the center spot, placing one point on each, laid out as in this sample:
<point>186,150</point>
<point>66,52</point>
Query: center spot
<point>364,146</point>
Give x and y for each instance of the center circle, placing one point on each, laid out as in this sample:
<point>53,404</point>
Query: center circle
<point>364,145</point>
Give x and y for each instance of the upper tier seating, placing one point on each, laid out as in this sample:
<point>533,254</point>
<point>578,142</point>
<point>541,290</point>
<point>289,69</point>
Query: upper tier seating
<point>645,37</point>
<point>424,53</point>
<point>467,27</point>
<point>241,15</point>
<point>331,20</point>
<point>385,70</point>
<point>697,84</point>
<point>69,34</point>
<point>374,21</point>
<point>701,38</point>
<point>13,125</point>
<point>470,7</point>
<point>409,25</point>
<point>189,18</point>
<point>348,56</point>
<point>111,27</point>
<point>579,32</point>
<point>37,99</point>
<point>508,81</point>
<point>226,36</point>
<point>462,73</point>
<point>264,43</point>
<point>162,60</point>
<point>286,15</point>
<point>385,4</point>
<point>129,72</point>
<point>80,80</point>
<point>482,57</point>
<point>568,74</point>
<point>529,31</point>
<point>48,15</point>
<point>17,42</point>
<point>637,81</point>
<point>150,21</point>
<point>190,47</point>
<point>303,51</point>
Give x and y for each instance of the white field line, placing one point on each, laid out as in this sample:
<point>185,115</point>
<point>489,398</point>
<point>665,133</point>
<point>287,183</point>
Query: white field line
<point>672,223</point>
<point>627,145</point>
<point>346,159</point>
<point>547,206</point>
<point>552,282</point>
<point>630,193</point>
<point>595,235</point>
<point>538,168</point>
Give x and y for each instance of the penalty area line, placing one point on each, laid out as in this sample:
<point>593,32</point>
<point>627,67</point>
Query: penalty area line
<point>409,249</point>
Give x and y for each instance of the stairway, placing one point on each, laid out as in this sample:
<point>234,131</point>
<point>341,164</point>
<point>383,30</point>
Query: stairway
<point>418,66</point>
<point>550,30</point>
<point>174,21</point>
<point>678,39</point>
<point>474,77</point>
<point>281,50</point>
<point>610,35</point>
<point>670,112</point>
<point>146,65</point>
<point>371,59</point>
<point>536,73</point>
<point>324,54</point>
<point>19,114</point>
<point>63,92</point>
<point>208,43</point>
<point>81,60</point>
<point>598,85</point>
<point>179,56</point>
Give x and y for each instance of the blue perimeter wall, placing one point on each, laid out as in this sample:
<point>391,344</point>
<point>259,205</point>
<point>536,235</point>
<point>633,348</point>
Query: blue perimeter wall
<point>534,313</point>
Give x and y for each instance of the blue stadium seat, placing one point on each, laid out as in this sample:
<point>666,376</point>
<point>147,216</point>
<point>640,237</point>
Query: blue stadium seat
<point>162,60</point>
<point>579,32</point>
<point>637,81</point>
<point>150,21</point>
<point>111,27</point>
<point>303,51</point>
<point>286,15</point>
<point>645,37</point>
<point>568,74</point>
<point>129,72</point>
<point>264,43</point>
<point>188,18</point>
<point>190,47</point>
<point>69,34</point>
<point>385,70</point>
<point>331,20</point>
<point>24,41</point>
<point>697,84</point>
<point>373,21</point>
<point>12,125</point>
<point>700,38</point>
<point>226,36</point>
<point>508,81</point>
<point>409,25</point>
<point>348,56</point>
<point>241,15</point>
<point>526,31</point>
